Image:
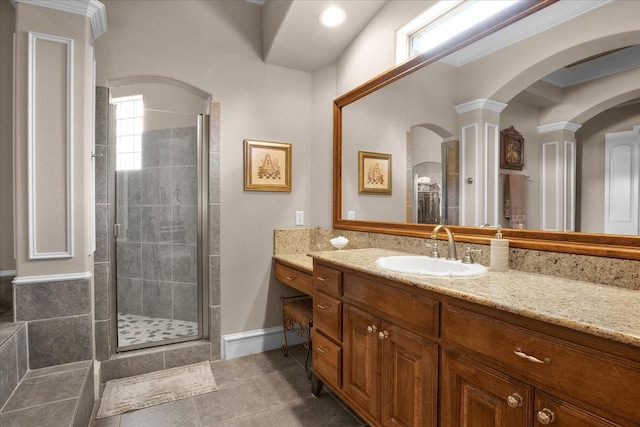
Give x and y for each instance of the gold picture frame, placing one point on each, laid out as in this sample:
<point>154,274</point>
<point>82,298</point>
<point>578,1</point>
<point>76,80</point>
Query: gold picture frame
<point>374,172</point>
<point>267,166</point>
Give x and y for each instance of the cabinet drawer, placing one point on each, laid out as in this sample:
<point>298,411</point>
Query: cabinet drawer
<point>327,315</point>
<point>327,280</point>
<point>327,360</point>
<point>563,414</point>
<point>588,374</point>
<point>415,312</point>
<point>294,278</point>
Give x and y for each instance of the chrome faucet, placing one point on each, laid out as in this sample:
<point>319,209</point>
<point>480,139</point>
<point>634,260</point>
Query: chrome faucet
<point>452,255</point>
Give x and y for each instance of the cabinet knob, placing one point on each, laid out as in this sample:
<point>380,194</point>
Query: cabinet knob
<point>321,306</point>
<point>322,279</point>
<point>371,329</point>
<point>545,416</point>
<point>291,278</point>
<point>383,335</point>
<point>514,401</point>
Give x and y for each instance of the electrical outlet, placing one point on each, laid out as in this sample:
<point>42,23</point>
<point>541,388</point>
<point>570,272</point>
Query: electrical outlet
<point>299,217</point>
<point>351,214</point>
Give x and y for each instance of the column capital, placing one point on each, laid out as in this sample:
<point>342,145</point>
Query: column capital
<point>481,104</point>
<point>559,126</point>
<point>92,9</point>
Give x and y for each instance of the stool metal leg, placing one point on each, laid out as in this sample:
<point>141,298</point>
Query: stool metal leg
<point>285,347</point>
<point>306,360</point>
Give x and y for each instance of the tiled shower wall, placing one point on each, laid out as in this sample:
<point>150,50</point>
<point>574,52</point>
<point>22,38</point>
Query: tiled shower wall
<point>103,255</point>
<point>157,244</point>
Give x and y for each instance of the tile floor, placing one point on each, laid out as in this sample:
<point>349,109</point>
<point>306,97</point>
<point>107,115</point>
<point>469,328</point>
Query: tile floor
<point>134,329</point>
<point>47,397</point>
<point>265,390</point>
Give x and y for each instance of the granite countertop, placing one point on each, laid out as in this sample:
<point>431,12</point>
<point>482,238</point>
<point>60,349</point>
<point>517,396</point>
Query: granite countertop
<point>302,262</point>
<point>600,310</point>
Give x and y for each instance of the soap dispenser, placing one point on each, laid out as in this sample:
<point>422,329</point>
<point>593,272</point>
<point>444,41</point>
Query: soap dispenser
<point>499,257</point>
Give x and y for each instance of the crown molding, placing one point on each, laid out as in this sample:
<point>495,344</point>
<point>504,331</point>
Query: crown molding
<point>481,104</point>
<point>92,9</point>
<point>559,126</point>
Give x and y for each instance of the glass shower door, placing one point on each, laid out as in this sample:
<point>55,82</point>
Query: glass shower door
<point>156,225</point>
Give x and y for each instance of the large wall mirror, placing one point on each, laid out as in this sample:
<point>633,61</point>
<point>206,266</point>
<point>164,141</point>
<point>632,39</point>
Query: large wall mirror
<point>532,123</point>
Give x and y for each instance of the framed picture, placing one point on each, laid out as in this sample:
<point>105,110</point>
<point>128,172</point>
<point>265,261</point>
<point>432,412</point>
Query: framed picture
<point>374,172</point>
<point>267,166</point>
<point>511,149</point>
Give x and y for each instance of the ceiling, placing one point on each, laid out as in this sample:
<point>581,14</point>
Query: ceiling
<point>294,38</point>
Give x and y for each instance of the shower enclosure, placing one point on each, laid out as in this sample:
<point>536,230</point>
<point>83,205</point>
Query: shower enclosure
<point>160,137</point>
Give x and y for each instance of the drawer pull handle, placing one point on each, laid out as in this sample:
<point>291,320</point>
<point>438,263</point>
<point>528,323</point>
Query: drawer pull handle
<point>321,306</point>
<point>514,401</point>
<point>545,416</point>
<point>322,350</point>
<point>322,279</point>
<point>383,335</point>
<point>533,359</point>
<point>291,278</point>
<point>371,329</point>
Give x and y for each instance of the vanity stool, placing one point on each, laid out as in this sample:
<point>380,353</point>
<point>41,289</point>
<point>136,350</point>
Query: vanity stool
<point>298,309</point>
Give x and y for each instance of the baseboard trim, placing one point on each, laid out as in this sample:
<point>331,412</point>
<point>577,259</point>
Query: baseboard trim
<point>257,341</point>
<point>52,278</point>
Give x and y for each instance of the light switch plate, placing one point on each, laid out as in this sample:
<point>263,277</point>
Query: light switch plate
<point>299,217</point>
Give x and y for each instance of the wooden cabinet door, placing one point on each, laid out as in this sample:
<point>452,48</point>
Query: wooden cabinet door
<point>361,362</point>
<point>563,414</point>
<point>409,379</point>
<point>476,396</point>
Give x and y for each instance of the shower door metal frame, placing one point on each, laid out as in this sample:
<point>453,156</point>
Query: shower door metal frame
<point>202,177</point>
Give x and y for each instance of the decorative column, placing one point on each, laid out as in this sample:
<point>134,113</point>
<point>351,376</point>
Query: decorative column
<point>558,176</point>
<point>479,122</point>
<point>54,222</point>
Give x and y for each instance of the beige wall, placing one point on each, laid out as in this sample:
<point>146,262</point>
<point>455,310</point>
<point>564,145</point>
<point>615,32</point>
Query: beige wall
<point>373,51</point>
<point>591,155</point>
<point>216,47</point>
<point>527,61</point>
<point>7,25</point>
<point>525,119</point>
<point>76,27</point>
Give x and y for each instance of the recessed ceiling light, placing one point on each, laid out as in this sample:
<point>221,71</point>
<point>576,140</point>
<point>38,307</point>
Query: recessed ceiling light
<point>333,17</point>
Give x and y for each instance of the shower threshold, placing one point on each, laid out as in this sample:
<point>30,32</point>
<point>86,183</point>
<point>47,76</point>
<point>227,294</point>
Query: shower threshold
<point>134,329</point>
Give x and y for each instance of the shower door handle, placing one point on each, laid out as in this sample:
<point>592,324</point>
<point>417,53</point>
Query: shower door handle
<point>116,230</point>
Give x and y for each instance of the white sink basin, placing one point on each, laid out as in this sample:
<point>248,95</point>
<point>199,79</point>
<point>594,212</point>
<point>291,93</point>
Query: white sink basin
<point>427,266</point>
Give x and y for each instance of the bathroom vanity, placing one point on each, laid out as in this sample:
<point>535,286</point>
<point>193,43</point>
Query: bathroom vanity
<point>510,349</point>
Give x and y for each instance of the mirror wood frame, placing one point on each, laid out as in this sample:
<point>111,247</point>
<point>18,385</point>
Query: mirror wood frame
<point>603,245</point>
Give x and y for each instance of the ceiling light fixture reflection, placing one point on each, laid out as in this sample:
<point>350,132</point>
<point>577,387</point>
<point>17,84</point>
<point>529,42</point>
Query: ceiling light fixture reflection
<point>333,17</point>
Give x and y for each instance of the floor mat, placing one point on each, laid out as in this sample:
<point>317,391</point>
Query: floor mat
<point>154,388</point>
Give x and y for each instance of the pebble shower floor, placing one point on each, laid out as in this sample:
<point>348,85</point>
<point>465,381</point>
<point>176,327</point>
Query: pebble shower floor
<point>134,329</point>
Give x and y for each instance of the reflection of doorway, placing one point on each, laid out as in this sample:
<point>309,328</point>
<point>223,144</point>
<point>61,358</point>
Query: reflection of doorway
<point>428,189</point>
<point>432,168</point>
<point>622,182</point>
